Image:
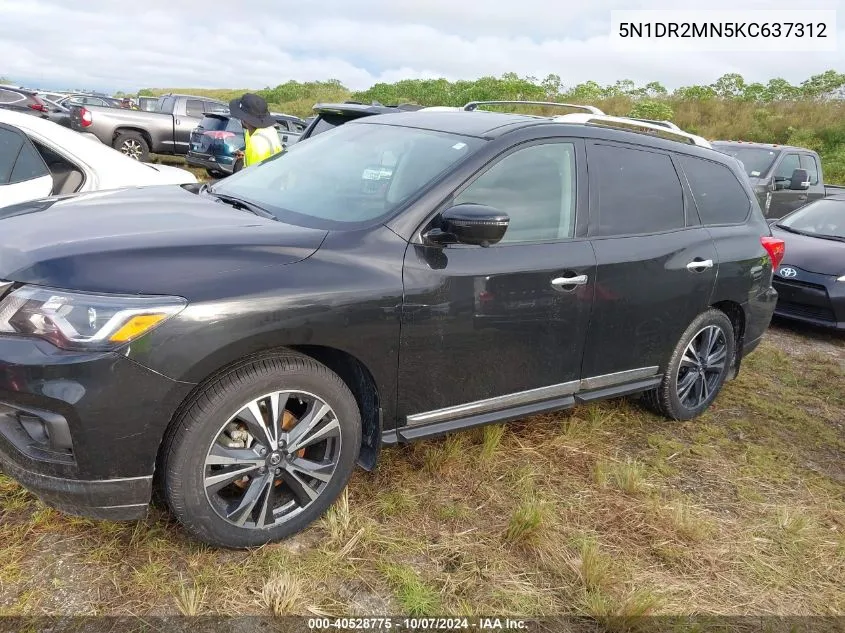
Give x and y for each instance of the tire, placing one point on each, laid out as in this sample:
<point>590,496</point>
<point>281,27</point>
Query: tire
<point>223,404</point>
<point>681,396</point>
<point>133,145</point>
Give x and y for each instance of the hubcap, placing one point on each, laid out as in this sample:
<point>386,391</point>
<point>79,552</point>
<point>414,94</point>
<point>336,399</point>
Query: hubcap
<point>272,459</point>
<point>702,366</point>
<point>131,148</point>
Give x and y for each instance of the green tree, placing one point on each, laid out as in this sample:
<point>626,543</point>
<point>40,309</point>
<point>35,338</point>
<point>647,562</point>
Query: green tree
<point>826,85</point>
<point>656,110</point>
<point>5,81</point>
<point>729,85</point>
<point>695,93</point>
<point>146,92</point>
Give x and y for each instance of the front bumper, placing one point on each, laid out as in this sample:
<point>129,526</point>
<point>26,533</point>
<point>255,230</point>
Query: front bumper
<point>82,430</point>
<point>810,297</point>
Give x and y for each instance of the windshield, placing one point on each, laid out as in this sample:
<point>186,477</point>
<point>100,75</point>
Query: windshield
<point>823,218</point>
<point>351,174</point>
<point>756,162</point>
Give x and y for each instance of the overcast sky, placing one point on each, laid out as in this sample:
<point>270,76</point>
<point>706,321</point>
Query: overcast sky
<point>109,45</point>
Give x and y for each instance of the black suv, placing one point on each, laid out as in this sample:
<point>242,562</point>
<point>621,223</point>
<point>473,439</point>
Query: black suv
<point>240,347</point>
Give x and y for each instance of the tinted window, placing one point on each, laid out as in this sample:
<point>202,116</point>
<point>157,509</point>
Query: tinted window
<point>212,106</point>
<point>354,173</point>
<point>326,122</point>
<point>29,165</point>
<point>808,162</point>
<point>282,126</point>
<point>10,145</point>
<point>195,108</point>
<point>637,191</point>
<point>535,186</point>
<point>7,96</point>
<point>789,164</point>
<point>717,193</point>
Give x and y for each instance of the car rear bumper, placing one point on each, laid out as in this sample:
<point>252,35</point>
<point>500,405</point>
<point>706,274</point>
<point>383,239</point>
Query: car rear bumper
<point>222,163</point>
<point>811,298</point>
<point>82,430</point>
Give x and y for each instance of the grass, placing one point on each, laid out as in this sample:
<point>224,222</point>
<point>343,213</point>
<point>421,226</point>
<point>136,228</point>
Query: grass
<point>604,510</point>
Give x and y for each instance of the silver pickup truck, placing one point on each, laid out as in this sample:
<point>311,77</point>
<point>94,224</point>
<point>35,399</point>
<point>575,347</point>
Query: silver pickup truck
<point>136,133</point>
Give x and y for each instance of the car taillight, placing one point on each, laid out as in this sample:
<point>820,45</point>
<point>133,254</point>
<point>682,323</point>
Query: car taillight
<point>775,248</point>
<point>219,134</point>
<point>38,106</point>
<point>85,117</point>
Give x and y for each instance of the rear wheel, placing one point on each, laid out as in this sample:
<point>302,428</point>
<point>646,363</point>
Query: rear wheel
<point>697,369</point>
<point>133,145</point>
<point>262,452</point>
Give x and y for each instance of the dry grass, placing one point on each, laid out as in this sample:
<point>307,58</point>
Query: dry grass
<point>604,510</point>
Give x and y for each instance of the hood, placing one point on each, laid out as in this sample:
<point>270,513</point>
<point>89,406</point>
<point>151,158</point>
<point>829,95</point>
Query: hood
<point>813,254</point>
<point>169,175</point>
<point>157,240</point>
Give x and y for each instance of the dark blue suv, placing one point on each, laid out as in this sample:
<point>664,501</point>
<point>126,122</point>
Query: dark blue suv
<point>215,141</point>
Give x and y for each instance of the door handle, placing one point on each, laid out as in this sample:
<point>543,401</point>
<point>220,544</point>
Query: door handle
<point>699,265</point>
<point>560,283</point>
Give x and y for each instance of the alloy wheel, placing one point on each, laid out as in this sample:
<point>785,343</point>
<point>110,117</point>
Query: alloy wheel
<point>702,366</point>
<point>272,459</point>
<point>132,149</point>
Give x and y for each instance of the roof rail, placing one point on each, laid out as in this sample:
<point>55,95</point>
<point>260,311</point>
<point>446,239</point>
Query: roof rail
<point>666,124</point>
<point>472,105</point>
<point>636,125</point>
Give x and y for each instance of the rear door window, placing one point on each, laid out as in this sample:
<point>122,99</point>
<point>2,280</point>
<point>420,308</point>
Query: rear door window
<point>718,195</point>
<point>165,104</point>
<point>808,162</point>
<point>633,191</point>
<point>195,108</point>
<point>29,165</point>
<point>10,145</point>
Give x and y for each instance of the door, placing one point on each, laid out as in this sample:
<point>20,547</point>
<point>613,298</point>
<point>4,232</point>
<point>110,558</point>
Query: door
<point>184,124</point>
<point>23,174</point>
<point>482,323</point>
<point>656,266</point>
<point>784,199</point>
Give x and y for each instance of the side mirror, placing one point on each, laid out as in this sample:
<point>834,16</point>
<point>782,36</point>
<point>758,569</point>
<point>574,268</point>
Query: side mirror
<point>800,180</point>
<point>475,224</point>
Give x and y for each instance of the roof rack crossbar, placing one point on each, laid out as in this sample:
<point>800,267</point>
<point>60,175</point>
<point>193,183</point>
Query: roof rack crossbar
<point>473,105</point>
<point>632,124</point>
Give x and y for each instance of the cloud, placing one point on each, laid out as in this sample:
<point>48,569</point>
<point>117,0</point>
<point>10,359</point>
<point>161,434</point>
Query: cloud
<point>257,43</point>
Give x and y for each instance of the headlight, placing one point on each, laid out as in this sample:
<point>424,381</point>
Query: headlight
<point>83,321</point>
<point>842,278</point>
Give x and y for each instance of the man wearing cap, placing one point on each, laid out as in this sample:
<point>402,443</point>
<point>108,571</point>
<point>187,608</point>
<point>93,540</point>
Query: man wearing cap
<point>260,137</point>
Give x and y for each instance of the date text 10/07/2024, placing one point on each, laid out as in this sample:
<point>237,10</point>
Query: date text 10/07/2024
<point>416,624</point>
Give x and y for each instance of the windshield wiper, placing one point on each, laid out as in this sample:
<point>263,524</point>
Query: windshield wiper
<point>791,230</point>
<point>835,238</point>
<point>238,203</point>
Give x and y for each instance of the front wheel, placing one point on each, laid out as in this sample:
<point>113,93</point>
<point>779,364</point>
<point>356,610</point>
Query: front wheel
<point>697,369</point>
<point>262,451</point>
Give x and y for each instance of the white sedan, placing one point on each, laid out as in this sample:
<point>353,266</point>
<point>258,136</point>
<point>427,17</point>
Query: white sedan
<point>39,158</point>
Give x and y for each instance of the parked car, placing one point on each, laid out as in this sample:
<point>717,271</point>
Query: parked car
<point>217,138</point>
<point>772,170</point>
<point>21,100</point>
<point>57,113</point>
<point>39,158</point>
<point>136,133</point>
<point>247,343</point>
<point>330,115</point>
<point>811,278</point>
<point>89,100</point>
<point>52,96</point>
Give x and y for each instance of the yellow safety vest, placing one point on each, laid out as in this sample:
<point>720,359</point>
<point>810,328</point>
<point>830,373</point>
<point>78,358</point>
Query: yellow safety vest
<point>261,144</point>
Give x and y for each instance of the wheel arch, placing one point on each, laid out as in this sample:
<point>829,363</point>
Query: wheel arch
<point>350,369</point>
<point>736,313</point>
<point>124,128</point>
